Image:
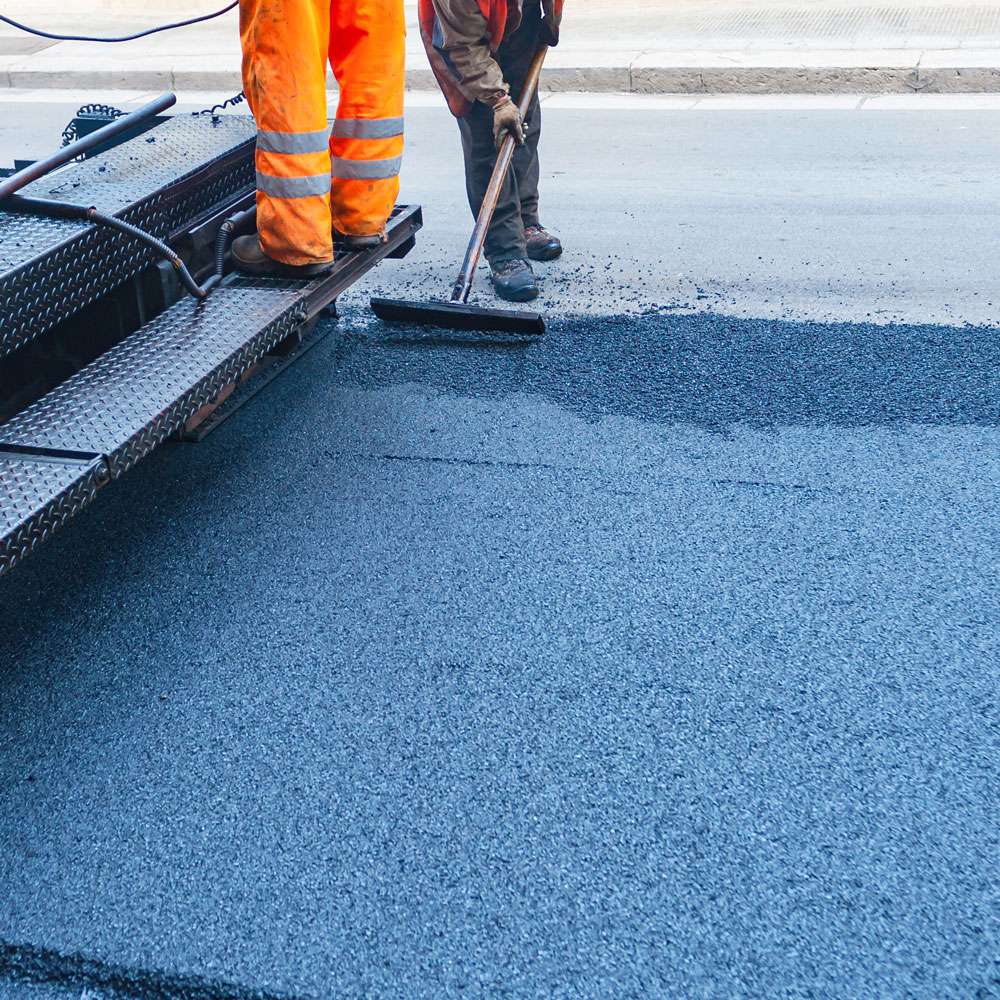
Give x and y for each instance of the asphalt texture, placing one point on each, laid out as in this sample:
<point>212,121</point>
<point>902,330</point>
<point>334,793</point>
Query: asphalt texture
<point>657,658</point>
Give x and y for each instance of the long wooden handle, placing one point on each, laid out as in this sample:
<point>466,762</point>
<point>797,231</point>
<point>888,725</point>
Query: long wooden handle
<point>463,284</point>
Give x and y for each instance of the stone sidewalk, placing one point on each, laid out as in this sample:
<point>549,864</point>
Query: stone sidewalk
<point>643,46</point>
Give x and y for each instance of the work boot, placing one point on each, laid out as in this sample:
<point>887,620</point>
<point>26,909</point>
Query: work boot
<point>249,257</point>
<point>542,245</point>
<point>514,280</point>
<point>357,244</point>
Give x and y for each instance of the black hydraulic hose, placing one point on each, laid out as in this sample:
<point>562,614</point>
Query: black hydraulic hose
<point>48,209</point>
<point>151,241</point>
<point>64,210</point>
<point>41,167</point>
<point>123,38</point>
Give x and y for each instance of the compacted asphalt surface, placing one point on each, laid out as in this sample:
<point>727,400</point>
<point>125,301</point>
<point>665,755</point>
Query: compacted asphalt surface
<point>657,658</point>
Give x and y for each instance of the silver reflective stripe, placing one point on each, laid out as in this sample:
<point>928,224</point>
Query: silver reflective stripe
<point>366,170</point>
<point>293,187</point>
<point>368,128</point>
<point>293,142</point>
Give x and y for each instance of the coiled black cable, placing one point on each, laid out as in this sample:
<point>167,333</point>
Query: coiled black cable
<point>123,38</point>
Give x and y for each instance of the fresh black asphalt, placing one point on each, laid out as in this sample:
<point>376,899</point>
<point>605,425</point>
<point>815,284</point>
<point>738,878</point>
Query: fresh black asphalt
<point>655,659</point>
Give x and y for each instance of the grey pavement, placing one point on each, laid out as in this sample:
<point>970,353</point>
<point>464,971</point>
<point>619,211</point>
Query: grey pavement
<point>644,46</point>
<point>655,659</point>
<point>826,208</point>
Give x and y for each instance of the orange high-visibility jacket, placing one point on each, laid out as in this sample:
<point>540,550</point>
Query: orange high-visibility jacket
<point>461,37</point>
<point>310,178</point>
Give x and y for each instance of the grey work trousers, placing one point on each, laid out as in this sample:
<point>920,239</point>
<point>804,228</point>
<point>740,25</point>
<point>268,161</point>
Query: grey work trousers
<point>517,206</point>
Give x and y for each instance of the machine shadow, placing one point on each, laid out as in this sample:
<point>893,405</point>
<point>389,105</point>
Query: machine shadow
<point>712,370</point>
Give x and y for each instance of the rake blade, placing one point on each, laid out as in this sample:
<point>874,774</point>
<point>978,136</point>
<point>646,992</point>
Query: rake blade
<point>458,316</point>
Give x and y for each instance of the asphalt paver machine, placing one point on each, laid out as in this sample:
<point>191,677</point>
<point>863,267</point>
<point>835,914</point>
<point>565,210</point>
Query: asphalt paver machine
<point>121,322</point>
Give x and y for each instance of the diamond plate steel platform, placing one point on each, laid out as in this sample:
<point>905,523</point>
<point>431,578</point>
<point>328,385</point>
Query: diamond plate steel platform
<point>159,181</point>
<point>101,421</point>
<point>37,495</point>
<point>140,392</point>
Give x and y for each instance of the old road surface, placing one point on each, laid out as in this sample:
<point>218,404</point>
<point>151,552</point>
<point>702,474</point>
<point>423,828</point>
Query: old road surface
<point>656,659</point>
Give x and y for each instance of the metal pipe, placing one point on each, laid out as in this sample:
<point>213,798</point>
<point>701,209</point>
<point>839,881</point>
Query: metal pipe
<point>41,167</point>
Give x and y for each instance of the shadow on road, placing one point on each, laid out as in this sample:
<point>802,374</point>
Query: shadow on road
<point>712,370</point>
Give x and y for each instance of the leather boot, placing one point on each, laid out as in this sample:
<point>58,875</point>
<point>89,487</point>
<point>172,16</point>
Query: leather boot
<point>249,257</point>
<point>542,245</point>
<point>514,280</point>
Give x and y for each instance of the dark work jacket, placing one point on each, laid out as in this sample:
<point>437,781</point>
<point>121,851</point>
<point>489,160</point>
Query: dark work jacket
<point>461,38</point>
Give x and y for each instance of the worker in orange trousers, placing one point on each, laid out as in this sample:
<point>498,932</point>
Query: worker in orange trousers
<point>315,184</point>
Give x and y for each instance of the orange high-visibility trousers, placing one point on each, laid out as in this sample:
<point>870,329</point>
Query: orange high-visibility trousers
<point>307,176</point>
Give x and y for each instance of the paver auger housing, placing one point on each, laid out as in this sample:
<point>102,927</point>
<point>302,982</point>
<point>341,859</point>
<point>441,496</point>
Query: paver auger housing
<point>121,323</point>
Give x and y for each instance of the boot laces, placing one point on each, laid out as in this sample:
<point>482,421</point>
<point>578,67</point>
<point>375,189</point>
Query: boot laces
<point>509,268</point>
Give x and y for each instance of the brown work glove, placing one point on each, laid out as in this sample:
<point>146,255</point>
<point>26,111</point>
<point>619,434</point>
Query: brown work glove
<point>507,121</point>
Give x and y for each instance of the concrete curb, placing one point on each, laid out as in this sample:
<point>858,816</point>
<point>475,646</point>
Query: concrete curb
<point>625,79</point>
<point>815,80</point>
